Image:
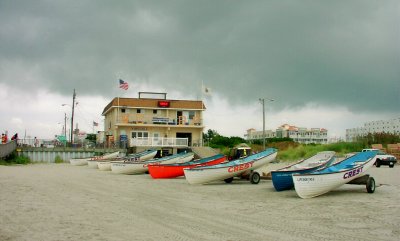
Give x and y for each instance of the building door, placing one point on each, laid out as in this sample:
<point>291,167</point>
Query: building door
<point>185,135</point>
<point>156,139</point>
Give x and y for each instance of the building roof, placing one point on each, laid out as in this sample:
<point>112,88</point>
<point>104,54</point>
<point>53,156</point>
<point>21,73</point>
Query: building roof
<point>288,127</point>
<point>295,128</point>
<point>153,104</point>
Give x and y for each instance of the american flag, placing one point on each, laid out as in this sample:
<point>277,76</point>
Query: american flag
<point>95,123</point>
<point>123,85</point>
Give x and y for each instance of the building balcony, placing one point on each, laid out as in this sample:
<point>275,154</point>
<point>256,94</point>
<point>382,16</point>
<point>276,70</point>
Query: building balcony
<point>159,121</point>
<point>159,142</point>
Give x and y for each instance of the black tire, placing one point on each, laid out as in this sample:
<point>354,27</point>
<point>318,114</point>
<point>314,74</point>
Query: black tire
<point>371,185</point>
<point>255,178</point>
<point>229,180</point>
<point>391,165</point>
<point>378,163</point>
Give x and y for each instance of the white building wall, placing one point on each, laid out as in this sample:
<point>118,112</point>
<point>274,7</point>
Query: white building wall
<point>302,135</point>
<point>388,126</point>
<point>256,135</point>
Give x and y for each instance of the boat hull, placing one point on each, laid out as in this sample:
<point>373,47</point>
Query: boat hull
<point>104,165</point>
<point>172,171</point>
<point>79,161</point>
<point>282,178</point>
<point>317,183</point>
<point>130,168</point>
<point>202,175</point>
<point>148,156</point>
<point>92,164</point>
<point>85,161</point>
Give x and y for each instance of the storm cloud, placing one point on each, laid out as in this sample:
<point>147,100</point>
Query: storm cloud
<point>334,53</point>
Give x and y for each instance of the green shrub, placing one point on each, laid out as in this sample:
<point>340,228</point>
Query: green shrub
<point>15,159</point>
<point>58,159</point>
<point>22,160</point>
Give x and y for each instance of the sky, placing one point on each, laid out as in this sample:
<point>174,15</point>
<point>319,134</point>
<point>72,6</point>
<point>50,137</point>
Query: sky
<point>326,64</point>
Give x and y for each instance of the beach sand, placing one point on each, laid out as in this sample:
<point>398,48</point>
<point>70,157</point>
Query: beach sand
<point>65,202</point>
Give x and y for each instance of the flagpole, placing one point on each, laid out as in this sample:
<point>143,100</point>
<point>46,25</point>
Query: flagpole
<point>117,109</point>
<point>202,90</point>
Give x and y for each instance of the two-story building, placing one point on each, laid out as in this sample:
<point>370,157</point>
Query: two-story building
<point>153,121</point>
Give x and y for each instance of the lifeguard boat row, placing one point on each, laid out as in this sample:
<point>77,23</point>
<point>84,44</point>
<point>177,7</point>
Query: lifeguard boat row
<point>310,177</point>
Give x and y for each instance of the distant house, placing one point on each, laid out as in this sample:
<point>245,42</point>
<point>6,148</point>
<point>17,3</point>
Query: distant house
<point>298,134</point>
<point>154,121</point>
<point>303,135</point>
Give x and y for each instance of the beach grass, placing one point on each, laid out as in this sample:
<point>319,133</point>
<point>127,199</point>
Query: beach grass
<point>305,151</point>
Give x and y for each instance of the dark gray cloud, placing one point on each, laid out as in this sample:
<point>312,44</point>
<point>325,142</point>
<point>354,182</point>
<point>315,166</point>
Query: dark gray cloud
<point>334,53</point>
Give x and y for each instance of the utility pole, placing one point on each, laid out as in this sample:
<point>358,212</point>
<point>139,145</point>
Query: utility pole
<point>262,100</point>
<point>65,125</point>
<point>72,118</point>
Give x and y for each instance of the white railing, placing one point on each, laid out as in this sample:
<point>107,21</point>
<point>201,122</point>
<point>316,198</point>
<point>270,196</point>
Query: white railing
<point>159,141</point>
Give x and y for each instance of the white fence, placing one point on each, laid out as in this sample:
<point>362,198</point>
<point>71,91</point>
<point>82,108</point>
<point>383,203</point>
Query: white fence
<point>50,155</point>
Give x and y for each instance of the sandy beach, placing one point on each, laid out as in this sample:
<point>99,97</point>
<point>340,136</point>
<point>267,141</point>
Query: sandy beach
<point>65,202</point>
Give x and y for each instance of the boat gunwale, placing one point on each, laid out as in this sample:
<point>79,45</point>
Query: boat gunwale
<point>301,169</point>
<point>339,171</point>
<point>151,161</point>
<point>192,163</point>
<point>231,164</point>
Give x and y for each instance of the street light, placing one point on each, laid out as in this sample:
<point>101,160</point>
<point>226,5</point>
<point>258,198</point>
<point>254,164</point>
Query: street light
<point>262,100</point>
<point>65,122</point>
<point>65,125</point>
<point>72,116</point>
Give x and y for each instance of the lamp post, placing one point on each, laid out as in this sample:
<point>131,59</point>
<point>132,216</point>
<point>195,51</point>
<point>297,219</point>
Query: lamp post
<point>65,125</point>
<point>72,116</point>
<point>65,121</point>
<point>262,100</point>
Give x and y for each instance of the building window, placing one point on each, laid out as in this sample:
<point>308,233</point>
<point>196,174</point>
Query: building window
<point>155,112</point>
<point>123,110</point>
<point>191,115</point>
<point>140,134</point>
<point>138,111</point>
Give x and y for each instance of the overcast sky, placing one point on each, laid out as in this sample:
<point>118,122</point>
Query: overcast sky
<point>327,64</point>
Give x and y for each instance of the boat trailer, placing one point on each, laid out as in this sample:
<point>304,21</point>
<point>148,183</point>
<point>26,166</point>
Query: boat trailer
<point>253,176</point>
<point>366,180</point>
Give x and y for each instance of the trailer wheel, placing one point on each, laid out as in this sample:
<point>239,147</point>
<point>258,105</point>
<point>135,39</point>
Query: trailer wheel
<point>254,177</point>
<point>370,185</point>
<point>391,165</point>
<point>229,180</point>
<point>378,163</point>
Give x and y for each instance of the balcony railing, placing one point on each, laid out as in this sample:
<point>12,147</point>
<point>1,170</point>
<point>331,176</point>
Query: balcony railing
<point>159,142</point>
<point>135,120</point>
